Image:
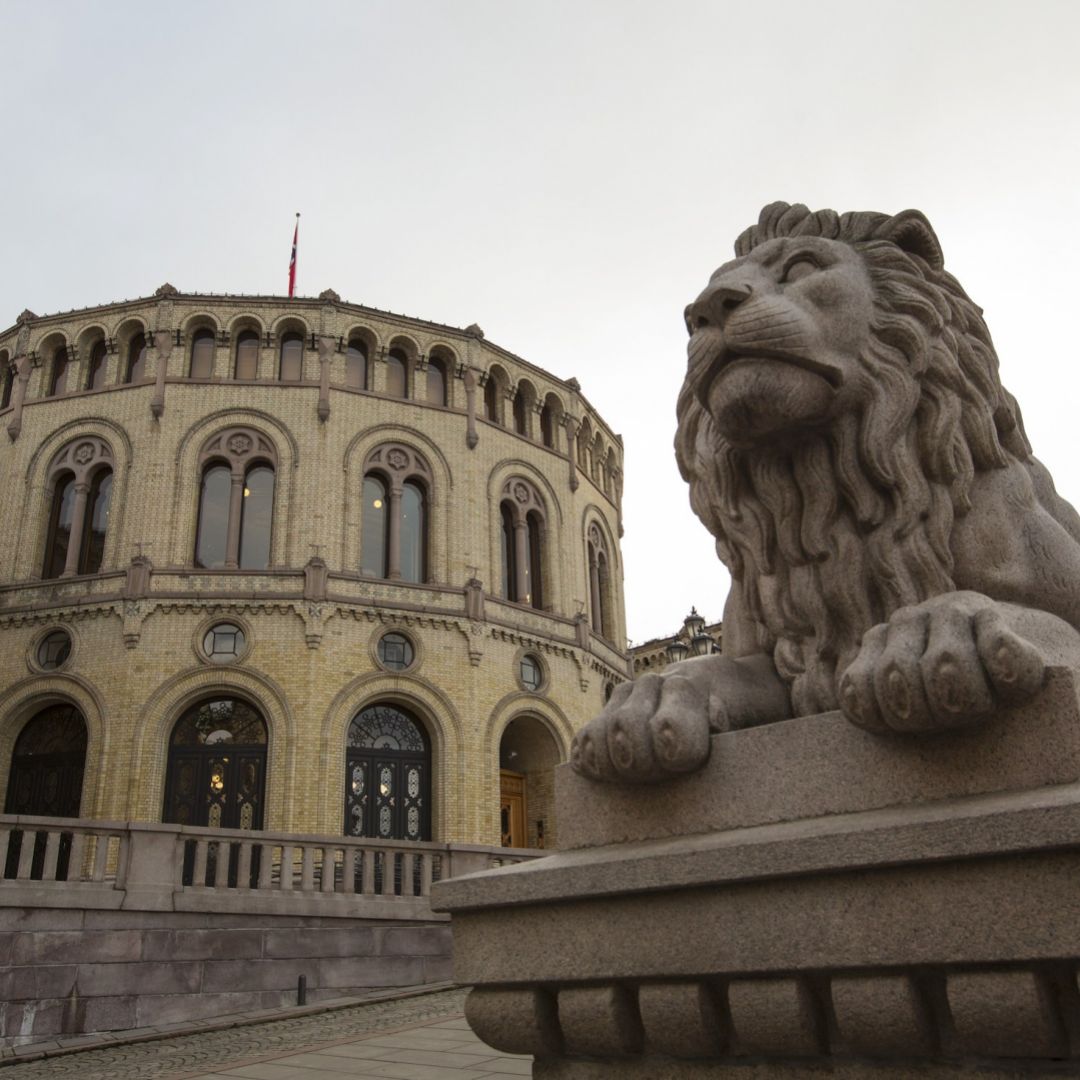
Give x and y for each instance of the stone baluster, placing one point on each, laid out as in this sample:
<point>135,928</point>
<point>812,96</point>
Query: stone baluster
<point>471,435</point>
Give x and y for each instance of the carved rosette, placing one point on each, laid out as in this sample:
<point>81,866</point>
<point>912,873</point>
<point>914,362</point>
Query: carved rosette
<point>523,497</point>
<point>238,446</point>
<point>400,463</point>
<point>82,456</point>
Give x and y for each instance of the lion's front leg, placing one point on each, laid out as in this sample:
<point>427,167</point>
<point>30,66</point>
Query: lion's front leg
<point>658,727</point>
<point>952,661</point>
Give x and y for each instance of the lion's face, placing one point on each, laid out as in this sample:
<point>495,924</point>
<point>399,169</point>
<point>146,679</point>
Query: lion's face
<point>775,339</point>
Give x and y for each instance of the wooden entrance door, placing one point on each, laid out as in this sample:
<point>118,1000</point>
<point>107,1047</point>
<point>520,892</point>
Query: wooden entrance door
<point>512,808</point>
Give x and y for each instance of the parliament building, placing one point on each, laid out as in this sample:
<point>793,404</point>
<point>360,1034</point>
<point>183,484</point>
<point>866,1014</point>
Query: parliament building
<point>298,565</point>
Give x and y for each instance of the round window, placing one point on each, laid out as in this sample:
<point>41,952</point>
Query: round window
<point>532,674</point>
<point>395,651</point>
<point>54,650</point>
<point>224,643</point>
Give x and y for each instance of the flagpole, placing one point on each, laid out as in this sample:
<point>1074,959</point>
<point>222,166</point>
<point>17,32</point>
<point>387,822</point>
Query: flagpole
<point>292,257</point>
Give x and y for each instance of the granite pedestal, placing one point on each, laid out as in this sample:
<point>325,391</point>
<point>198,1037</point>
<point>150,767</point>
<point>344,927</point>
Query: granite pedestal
<point>816,899</point>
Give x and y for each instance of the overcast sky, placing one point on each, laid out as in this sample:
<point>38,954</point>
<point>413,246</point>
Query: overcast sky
<point>566,174</point>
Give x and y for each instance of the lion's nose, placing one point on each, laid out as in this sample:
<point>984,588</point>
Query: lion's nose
<point>715,304</point>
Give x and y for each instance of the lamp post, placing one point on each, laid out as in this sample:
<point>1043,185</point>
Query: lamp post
<point>691,640</point>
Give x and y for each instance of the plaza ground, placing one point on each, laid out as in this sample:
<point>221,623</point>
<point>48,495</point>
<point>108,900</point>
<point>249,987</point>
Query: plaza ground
<point>409,1036</point>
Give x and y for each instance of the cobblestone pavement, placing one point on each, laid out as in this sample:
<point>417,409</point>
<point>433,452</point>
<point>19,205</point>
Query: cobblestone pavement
<point>415,1038</point>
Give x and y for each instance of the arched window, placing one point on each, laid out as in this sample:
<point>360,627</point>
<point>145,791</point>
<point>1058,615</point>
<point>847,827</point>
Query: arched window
<point>98,501</point>
<point>387,775</point>
<point>59,536</point>
<point>95,376</point>
<point>216,773</point>
<point>45,779</point>
<point>202,354</point>
<point>394,514</point>
<point>135,369</point>
<point>59,372</point>
<point>599,582</point>
<point>396,374</point>
<point>548,420</point>
<point>436,382</point>
<point>236,502</point>
<point>491,399</point>
<point>247,355</point>
<point>291,364</point>
<point>356,358</point>
<point>81,479</point>
<point>521,408</point>
<point>413,533</point>
<point>374,526</point>
<point>7,382</point>
<point>256,516</point>
<point>522,543</point>
<point>46,774</point>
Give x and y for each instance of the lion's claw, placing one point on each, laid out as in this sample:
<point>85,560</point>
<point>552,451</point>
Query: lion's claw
<point>942,664</point>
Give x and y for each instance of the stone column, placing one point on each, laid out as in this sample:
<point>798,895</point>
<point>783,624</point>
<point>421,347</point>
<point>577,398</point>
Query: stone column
<point>78,518</point>
<point>236,509</point>
<point>326,350</point>
<point>162,342</point>
<point>594,589</point>
<point>393,556</point>
<point>571,449</point>
<point>471,436</point>
<point>18,395</point>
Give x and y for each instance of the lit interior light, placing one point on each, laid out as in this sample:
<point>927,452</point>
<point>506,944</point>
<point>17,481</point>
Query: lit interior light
<point>247,492</point>
<point>377,504</point>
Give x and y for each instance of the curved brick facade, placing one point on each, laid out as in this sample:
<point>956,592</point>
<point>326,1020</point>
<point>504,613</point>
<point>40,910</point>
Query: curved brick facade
<point>312,620</point>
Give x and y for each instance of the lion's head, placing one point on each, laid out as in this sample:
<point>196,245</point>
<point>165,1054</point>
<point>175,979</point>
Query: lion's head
<point>842,392</point>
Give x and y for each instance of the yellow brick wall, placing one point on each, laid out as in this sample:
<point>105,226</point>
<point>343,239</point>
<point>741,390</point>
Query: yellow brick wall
<point>310,666</point>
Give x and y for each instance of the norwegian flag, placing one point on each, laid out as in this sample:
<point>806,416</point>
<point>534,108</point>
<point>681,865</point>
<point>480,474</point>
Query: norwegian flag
<point>292,258</point>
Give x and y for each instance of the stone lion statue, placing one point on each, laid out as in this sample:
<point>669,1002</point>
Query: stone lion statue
<point>895,549</point>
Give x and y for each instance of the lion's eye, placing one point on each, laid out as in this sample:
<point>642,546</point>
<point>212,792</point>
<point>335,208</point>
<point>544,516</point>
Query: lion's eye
<point>798,269</point>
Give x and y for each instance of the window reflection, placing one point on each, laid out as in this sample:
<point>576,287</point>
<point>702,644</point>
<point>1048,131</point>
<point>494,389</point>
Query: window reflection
<point>202,354</point>
<point>58,381</point>
<point>395,373</point>
<point>374,523</point>
<point>292,358</point>
<point>256,516</point>
<point>356,365</point>
<point>136,360</point>
<point>247,355</point>
<point>59,537</point>
<point>95,379</point>
<point>213,530</point>
<point>412,533</point>
<point>97,522</point>
<point>436,383</point>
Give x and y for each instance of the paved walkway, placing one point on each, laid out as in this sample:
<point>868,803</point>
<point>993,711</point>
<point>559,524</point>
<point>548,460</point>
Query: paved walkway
<point>422,1037</point>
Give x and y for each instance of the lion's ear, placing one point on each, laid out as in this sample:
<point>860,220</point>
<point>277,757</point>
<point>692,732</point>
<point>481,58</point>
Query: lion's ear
<point>912,232</point>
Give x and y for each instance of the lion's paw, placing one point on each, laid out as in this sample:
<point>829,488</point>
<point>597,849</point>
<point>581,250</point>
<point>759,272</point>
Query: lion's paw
<point>944,663</point>
<point>652,729</point>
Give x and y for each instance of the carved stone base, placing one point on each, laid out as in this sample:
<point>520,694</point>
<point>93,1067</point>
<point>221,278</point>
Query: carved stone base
<point>864,907</point>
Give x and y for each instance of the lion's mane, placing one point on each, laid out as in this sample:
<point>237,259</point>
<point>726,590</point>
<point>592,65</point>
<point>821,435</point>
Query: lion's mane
<point>827,536</point>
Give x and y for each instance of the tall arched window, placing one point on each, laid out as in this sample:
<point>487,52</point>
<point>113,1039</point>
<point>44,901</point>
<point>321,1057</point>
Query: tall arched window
<point>216,773</point>
<point>7,382</point>
<point>356,359</point>
<point>135,368</point>
<point>291,363</point>
<point>413,533</point>
<point>394,514</point>
<point>521,408</point>
<point>599,582</point>
<point>59,372</point>
<point>522,525</point>
<point>548,423</point>
<point>95,376</point>
<point>436,381</point>
<point>491,399</point>
<point>236,501</point>
<point>397,380</point>
<point>247,355</point>
<point>80,477</point>
<point>256,517</point>
<point>98,502</point>
<point>59,536</point>
<point>202,354</point>
<point>387,775</point>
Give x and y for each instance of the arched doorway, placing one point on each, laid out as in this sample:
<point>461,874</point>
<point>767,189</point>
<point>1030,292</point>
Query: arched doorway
<point>216,774</point>
<point>45,780</point>
<point>387,775</point>
<point>528,754</point>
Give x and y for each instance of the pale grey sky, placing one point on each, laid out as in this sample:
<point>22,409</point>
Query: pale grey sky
<point>565,174</point>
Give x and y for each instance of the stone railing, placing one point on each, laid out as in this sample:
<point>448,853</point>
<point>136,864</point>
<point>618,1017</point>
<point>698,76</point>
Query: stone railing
<point>61,862</point>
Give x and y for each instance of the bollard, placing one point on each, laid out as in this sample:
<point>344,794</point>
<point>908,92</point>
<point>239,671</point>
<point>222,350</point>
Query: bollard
<point>301,990</point>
